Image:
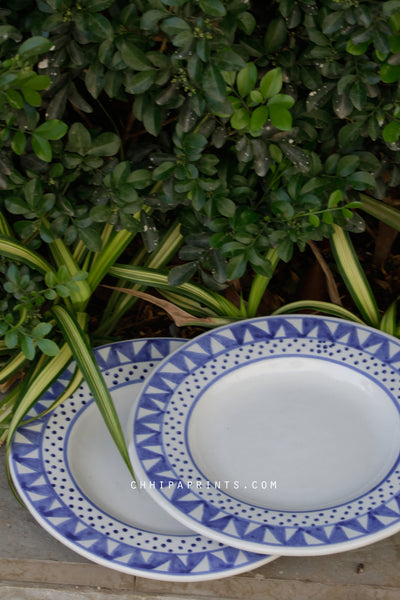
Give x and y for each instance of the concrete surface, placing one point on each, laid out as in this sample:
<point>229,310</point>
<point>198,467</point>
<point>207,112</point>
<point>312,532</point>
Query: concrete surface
<point>35,566</point>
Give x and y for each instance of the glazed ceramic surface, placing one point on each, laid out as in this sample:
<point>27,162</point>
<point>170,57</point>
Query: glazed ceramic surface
<point>70,476</point>
<point>277,435</point>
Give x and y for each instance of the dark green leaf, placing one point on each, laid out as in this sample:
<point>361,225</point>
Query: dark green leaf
<point>333,22</point>
<point>98,5</point>
<point>150,19</point>
<point>106,144</point>
<point>34,46</point>
<point>15,99</point>
<point>213,83</point>
<point>246,79</point>
<point>141,178</point>
<point>28,347</point>
<point>32,97</point>
<point>94,78</point>
<point>164,170</point>
<point>361,180</point>
<point>349,134</point>
<point>79,139</point>
<point>140,82</point>
<point>226,207</point>
<point>18,143</point>
<point>99,27</point>
<point>390,132</point>
<point>215,8</point>
<point>240,118</point>
<point>259,117</point>
<point>347,165</point>
<point>175,26</point>
<point>247,22</point>
<point>335,198</point>
<point>133,56</point>
<point>91,239</point>
<point>41,330</point>
<point>182,273</point>
<point>41,148</point>
<point>390,73</point>
<point>152,119</point>
<point>271,83</point>
<point>314,220</point>
<point>358,95</point>
<point>236,267</point>
<point>280,117</point>
<point>52,129</point>
<point>275,35</point>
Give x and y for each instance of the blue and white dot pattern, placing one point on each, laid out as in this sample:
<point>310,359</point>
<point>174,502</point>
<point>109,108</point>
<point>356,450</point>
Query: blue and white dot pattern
<point>43,477</point>
<point>166,406</point>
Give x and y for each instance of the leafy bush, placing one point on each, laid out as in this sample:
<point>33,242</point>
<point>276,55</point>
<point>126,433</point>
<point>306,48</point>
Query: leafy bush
<point>220,134</point>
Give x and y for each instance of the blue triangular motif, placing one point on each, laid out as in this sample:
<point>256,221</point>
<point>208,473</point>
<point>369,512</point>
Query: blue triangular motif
<point>338,535</point>
<point>21,449</point>
<point>317,532</point>
<point>353,524</point>
<point>256,535</point>
<point>384,511</point>
<point>230,554</point>
<point>374,524</point>
<point>297,539</point>
<point>216,563</point>
<point>32,435</point>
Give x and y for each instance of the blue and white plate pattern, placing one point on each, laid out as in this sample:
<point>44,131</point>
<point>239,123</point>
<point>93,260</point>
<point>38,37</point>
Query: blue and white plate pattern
<point>169,447</point>
<point>71,478</point>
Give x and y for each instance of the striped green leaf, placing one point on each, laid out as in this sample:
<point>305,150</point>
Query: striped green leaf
<point>354,276</point>
<point>380,210</point>
<point>389,319</point>
<point>12,366</point>
<point>18,252</point>
<point>85,359</point>
<point>317,305</point>
<point>151,277</point>
<point>120,303</point>
<point>260,283</point>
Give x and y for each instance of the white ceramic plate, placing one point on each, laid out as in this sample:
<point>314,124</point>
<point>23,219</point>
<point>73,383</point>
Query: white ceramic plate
<point>73,481</point>
<point>277,435</point>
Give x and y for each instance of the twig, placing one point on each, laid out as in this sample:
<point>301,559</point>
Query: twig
<point>330,281</point>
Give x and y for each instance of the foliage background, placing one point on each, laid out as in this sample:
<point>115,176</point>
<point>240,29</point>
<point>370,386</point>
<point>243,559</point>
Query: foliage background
<point>201,144</point>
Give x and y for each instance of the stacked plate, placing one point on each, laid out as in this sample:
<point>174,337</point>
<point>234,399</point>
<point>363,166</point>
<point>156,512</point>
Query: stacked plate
<point>270,436</point>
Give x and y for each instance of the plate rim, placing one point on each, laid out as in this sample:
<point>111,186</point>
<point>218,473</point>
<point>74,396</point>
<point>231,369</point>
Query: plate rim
<point>38,513</point>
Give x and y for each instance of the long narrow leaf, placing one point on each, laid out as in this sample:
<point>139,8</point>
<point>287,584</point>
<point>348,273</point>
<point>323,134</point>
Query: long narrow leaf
<point>389,319</point>
<point>187,303</point>
<point>154,278</point>
<point>319,306</point>
<point>354,276</point>
<point>37,383</point>
<point>72,386</point>
<point>63,257</point>
<point>18,252</point>
<point>119,303</point>
<point>260,283</point>
<point>380,210</point>
<point>86,361</point>
<point>5,229</point>
<point>12,366</point>
<point>180,317</point>
<point>107,257</point>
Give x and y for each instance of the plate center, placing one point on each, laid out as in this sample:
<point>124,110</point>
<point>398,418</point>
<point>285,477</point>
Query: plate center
<point>102,476</point>
<point>294,433</point>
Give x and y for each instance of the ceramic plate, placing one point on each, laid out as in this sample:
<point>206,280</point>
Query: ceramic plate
<point>278,435</point>
<point>73,481</point>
